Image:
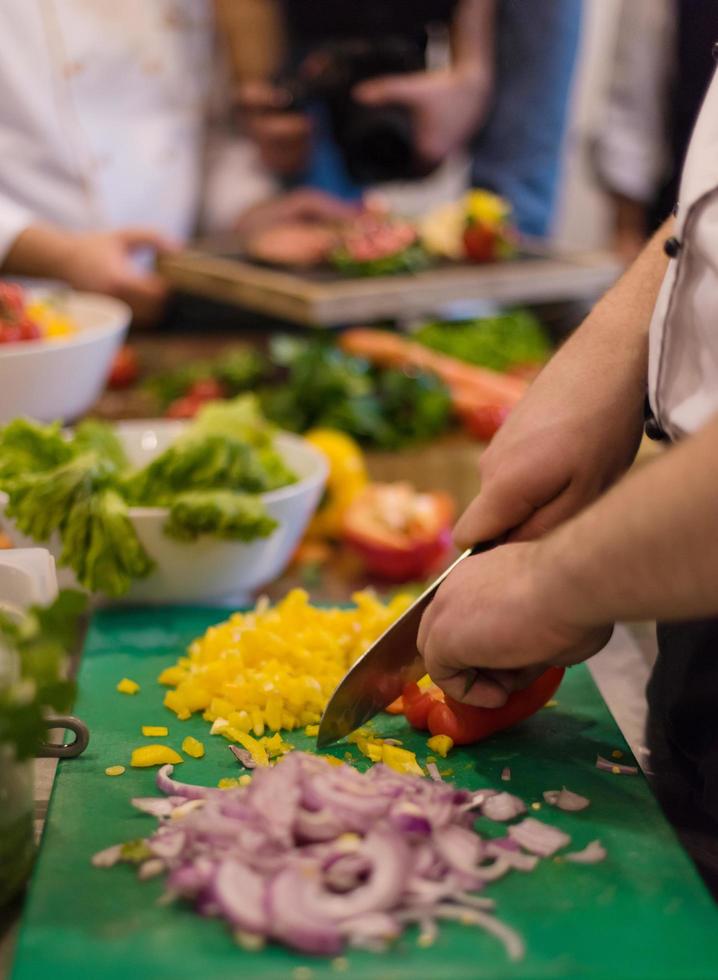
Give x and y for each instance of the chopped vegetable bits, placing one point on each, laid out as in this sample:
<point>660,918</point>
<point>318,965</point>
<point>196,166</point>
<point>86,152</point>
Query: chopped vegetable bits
<point>154,755</point>
<point>155,731</point>
<point>126,686</point>
<point>193,747</point>
<point>274,667</point>
<point>114,770</point>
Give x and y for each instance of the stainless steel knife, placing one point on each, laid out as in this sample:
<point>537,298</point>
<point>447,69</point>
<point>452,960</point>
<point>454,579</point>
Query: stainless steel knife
<point>380,675</point>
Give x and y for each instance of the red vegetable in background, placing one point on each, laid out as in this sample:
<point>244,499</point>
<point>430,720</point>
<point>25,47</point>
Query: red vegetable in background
<point>125,369</point>
<point>463,723</point>
<point>399,533</point>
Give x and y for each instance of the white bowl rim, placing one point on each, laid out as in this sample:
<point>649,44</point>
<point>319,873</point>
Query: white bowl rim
<point>116,308</point>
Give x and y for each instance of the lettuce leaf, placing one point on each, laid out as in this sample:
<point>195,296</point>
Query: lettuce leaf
<point>223,513</point>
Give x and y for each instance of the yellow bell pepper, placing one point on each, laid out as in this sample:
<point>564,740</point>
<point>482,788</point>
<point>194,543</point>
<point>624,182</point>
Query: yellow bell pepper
<point>193,747</point>
<point>441,744</point>
<point>255,748</point>
<point>486,208</point>
<point>154,755</point>
<point>155,731</point>
<point>347,478</point>
<point>401,760</point>
<point>126,686</point>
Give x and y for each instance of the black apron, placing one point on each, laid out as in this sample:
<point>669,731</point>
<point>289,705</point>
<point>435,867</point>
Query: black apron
<point>683,737</point>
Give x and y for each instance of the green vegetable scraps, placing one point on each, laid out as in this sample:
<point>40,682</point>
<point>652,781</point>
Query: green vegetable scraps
<point>499,342</point>
<point>412,259</point>
<point>80,486</point>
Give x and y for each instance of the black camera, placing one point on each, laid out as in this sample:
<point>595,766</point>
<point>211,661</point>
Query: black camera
<point>376,142</point>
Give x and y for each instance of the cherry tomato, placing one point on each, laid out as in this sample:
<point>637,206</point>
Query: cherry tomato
<point>12,299</point>
<point>29,330</point>
<point>10,333</point>
<point>125,369</point>
<point>206,389</point>
<point>480,243</point>
<point>184,408</point>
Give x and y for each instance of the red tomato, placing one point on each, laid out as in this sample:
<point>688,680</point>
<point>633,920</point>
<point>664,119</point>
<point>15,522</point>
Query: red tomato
<point>125,369</point>
<point>12,299</point>
<point>10,333</point>
<point>484,421</point>
<point>206,389</point>
<point>184,408</point>
<point>398,533</point>
<point>464,723</point>
<point>29,330</point>
<point>480,243</point>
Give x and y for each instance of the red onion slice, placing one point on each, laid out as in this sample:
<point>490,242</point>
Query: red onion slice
<point>591,854</point>
<point>502,807</point>
<point>564,799</point>
<point>513,943</point>
<point>506,774</point>
<point>538,838</point>
<point>241,896</point>
<point>515,858</point>
<point>608,765</point>
<point>107,858</point>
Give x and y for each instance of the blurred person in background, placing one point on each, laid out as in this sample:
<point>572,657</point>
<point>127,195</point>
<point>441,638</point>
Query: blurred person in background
<point>661,70</point>
<point>485,107</point>
<point>111,135</point>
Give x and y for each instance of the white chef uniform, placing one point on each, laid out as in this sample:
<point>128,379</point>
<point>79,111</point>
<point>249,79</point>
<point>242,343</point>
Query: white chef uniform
<point>104,117</point>
<point>683,351</point>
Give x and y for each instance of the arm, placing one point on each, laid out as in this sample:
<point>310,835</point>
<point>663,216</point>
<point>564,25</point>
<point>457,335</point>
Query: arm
<point>94,261</point>
<point>578,428</point>
<point>648,549</point>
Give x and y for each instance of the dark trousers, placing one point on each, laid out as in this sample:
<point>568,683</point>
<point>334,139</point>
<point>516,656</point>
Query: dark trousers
<point>683,737</point>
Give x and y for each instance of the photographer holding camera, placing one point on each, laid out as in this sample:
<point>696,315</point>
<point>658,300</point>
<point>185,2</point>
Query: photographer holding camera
<point>360,102</point>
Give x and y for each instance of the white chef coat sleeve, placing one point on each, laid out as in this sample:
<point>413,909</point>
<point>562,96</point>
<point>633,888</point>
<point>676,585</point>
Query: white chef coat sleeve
<point>629,146</point>
<point>14,219</point>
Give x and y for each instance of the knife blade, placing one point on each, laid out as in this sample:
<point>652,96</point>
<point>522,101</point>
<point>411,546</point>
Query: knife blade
<point>380,675</point>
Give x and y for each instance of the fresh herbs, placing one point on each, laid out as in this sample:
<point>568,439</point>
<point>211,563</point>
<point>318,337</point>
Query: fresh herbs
<point>323,387</point>
<point>498,342</point>
<point>33,674</point>
<point>81,486</point>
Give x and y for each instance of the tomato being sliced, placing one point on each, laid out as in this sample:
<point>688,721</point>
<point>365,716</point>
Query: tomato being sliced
<point>464,723</point>
<point>399,533</point>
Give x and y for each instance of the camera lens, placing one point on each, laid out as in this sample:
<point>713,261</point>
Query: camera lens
<point>377,143</point>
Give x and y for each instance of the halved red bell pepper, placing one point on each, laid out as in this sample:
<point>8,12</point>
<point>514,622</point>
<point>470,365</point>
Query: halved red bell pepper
<point>399,533</point>
<point>431,709</point>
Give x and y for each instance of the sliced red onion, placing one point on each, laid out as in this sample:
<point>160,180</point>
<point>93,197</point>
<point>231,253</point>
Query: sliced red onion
<point>151,869</point>
<point>433,770</point>
<point>171,787</point>
<point>564,799</point>
<point>167,843</point>
<point>513,943</point>
<point>240,894</point>
<point>591,854</point>
<point>495,870</point>
<point>479,797</point>
<point>107,858</point>
<point>506,774</point>
<point>514,857</point>
<point>156,806</point>
<point>502,806</point>
<point>538,838</point>
<point>459,847</point>
<point>609,765</point>
<point>244,756</point>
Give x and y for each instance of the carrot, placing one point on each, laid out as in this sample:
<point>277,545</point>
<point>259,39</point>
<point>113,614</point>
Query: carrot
<point>391,350</point>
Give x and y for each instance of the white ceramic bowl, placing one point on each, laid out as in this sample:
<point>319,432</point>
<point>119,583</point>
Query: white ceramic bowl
<point>60,379</point>
<point>210,570</point>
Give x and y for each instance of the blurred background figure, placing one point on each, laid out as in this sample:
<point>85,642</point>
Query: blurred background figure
<point>421,100</point>
<point>662,65</point>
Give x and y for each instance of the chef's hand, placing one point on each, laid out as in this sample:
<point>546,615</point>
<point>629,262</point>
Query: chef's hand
<point>447,106</point>
<point>100,262</point>
<point>507,613</point>
<point>302,206</point>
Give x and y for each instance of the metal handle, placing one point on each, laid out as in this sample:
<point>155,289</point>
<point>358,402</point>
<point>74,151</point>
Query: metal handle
<point>66,750</point>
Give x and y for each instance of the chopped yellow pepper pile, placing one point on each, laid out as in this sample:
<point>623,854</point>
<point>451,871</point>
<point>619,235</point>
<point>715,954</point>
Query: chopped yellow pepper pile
<point>275,667</point>
<point>383,750</point>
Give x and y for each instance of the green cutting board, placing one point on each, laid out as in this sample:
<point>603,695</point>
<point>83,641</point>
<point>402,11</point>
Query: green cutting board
<point>641,913</point>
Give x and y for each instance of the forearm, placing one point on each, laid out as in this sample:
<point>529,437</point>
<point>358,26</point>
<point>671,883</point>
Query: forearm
<point>473,38</point>
<point>40,251</point>
<point>649,548</point>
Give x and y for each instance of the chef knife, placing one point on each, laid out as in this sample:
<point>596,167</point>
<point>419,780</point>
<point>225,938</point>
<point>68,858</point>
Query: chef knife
<point>380,675</point>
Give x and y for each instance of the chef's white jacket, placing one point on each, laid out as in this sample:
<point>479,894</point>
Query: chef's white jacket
<point>104,118</point>
<point>683,350</point>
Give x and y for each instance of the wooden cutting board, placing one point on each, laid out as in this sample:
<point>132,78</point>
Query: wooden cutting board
<point>643,913</point>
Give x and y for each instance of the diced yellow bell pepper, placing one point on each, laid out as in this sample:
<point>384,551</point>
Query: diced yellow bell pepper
<point>331,760</point>
<point>126,686</point>
<point>192,746</point>
<point>371,748</point>
<point>172,676</point>
<point>255,748</point>
<point>245,779</point>
<point>154,755</point>
<point>401,760</point>
<point>155,731</point>
<point>311,730</point>
<point>228,782</point>
<point>175,702</point>
<point>441,744</point>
